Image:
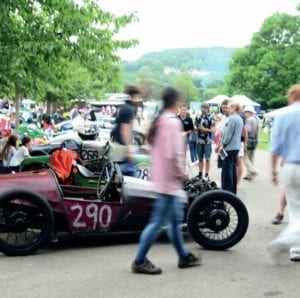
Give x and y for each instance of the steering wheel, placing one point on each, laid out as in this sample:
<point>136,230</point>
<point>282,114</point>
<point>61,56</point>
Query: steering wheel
<point>107,148</point>
<point>71,145</point>
<point>105,178</point>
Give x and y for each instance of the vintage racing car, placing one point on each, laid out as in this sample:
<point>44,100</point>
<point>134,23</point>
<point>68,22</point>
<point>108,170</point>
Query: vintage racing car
<point>35,204</point>
<point>41,154</point>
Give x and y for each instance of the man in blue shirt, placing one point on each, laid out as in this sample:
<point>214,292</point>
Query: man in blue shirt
<point>285,144</point>
<point>231,143</point>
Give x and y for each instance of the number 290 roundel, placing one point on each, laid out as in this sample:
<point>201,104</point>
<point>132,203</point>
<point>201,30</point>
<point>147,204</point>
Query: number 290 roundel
<point>92,216</point>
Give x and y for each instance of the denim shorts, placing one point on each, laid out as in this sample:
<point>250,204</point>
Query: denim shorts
<point>204,151</point>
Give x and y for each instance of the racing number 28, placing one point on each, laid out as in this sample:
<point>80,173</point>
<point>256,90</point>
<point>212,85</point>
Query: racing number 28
<point>143,174</point>
<point>99,215</point>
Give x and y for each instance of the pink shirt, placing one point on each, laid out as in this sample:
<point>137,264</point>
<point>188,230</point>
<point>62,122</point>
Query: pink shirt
<point>168,158</point>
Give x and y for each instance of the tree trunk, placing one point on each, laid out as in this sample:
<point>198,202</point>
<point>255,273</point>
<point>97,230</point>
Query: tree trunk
<point>17,107</point>
<point>48,111</point>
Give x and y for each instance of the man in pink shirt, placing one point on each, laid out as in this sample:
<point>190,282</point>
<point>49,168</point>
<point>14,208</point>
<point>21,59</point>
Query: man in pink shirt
<point>168,160</point>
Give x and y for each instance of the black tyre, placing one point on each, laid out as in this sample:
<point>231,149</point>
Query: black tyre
<point>26,222</point>
<point>217,220</point>
<point>34,166</point>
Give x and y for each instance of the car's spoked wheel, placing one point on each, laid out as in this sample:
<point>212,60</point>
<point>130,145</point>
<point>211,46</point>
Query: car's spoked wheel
<point>217,220</point>
<point>105,178</point>
<point>26,222</point>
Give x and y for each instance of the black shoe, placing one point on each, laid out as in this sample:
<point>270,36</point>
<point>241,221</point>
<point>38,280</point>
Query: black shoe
<point>145,268</point>
<point>249,178</point>
<point>190,261</point>
<point>53,239</point>
<point>277,219</point>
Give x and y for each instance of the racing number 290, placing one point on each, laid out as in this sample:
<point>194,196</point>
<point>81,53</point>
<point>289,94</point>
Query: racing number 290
<point>99,215</point>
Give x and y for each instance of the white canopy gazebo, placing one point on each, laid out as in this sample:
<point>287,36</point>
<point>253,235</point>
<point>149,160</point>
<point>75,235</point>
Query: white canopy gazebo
<point>217,100</point>
<point>243,100</point>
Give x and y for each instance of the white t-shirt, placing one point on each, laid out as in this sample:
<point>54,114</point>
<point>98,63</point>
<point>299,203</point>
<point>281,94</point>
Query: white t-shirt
<point>223,122</point>
<point>11,152</point>
<point>18,157</point>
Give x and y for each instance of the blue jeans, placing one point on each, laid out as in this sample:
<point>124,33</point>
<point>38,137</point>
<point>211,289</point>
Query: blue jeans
<point>128,168</point>
<point>166,209</point>
<point>192,146</point>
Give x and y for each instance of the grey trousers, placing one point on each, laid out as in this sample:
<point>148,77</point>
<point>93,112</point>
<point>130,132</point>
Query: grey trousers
<point>290,237</point>
<point>249,162</point>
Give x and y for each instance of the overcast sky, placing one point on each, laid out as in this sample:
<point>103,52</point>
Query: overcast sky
<point>167,24</point>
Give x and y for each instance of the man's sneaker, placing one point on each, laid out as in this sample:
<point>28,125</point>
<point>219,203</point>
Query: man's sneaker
<point>190,261</point>
<point>145,268</point>
<point>248,177</point>
<point>277,219</point>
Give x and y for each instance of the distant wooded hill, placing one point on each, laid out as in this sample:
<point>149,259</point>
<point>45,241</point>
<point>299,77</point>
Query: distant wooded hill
<point>208,63</point>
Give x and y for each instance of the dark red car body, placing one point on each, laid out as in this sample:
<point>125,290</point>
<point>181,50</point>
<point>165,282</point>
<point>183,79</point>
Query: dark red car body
<point>35,204</point>
<point>80,207</point>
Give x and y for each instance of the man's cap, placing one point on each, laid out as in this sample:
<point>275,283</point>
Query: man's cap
<point>249,109</point>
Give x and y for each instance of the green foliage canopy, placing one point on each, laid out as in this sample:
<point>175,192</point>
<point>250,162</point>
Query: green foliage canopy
<point>40,40</point>
<point>266,68</point>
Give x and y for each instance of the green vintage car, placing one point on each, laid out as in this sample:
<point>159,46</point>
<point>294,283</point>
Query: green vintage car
<point>31,130</point>
<point>141,161</point>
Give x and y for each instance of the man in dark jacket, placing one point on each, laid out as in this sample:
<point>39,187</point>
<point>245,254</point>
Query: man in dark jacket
<point>122,132</point>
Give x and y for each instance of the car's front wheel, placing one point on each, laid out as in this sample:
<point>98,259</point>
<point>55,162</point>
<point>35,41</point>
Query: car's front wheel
<point>26,222</point>
<point>217,220</point>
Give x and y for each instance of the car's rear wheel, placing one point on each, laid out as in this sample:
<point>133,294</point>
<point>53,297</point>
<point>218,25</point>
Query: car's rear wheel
<point>217,220</point>
<point>26,222</point>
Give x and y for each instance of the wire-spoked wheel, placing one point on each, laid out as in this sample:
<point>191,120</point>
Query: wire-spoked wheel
<point>217,220</point>
<point>26,222</point>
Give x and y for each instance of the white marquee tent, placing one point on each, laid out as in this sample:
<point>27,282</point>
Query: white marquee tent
<point>243,100</point>
<point>217,100</point>
<point>246,101</point>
